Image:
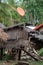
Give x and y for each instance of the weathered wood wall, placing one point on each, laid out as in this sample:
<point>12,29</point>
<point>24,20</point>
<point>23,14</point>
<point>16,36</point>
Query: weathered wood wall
<point>17,35</point>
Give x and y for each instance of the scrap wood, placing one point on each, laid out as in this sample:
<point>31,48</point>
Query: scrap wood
<point>35,51</point>
<point>30,54</point>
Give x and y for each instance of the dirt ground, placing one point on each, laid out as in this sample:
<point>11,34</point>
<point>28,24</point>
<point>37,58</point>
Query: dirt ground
<point>7,63</point>
<point>14,62</point>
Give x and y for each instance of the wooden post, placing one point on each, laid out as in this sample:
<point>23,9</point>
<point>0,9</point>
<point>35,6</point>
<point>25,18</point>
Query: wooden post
<point>19,54</point>
<point>1,53</point>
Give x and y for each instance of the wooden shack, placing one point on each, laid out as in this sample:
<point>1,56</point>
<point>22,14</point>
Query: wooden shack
<point>17,35</point>
<point>12,37</point>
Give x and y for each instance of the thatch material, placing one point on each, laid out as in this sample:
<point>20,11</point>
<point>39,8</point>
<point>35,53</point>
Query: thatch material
<point>3,35</point>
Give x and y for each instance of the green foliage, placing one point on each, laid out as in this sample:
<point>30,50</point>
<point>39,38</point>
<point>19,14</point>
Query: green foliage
<point>33,11</point>
<point>5,14</point>
<point>34,8</point>
<point>40,52</point>
<point>7,57</point>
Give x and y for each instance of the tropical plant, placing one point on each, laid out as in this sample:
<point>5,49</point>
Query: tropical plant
<point>34,10</point>
<point>5,14</point>
<point>8,13</point>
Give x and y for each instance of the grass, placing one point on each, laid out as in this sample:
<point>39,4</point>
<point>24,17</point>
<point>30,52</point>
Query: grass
<point>40,52</point>
<point>36,63</point>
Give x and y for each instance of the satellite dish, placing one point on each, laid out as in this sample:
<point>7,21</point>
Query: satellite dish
<point>20,11</point>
